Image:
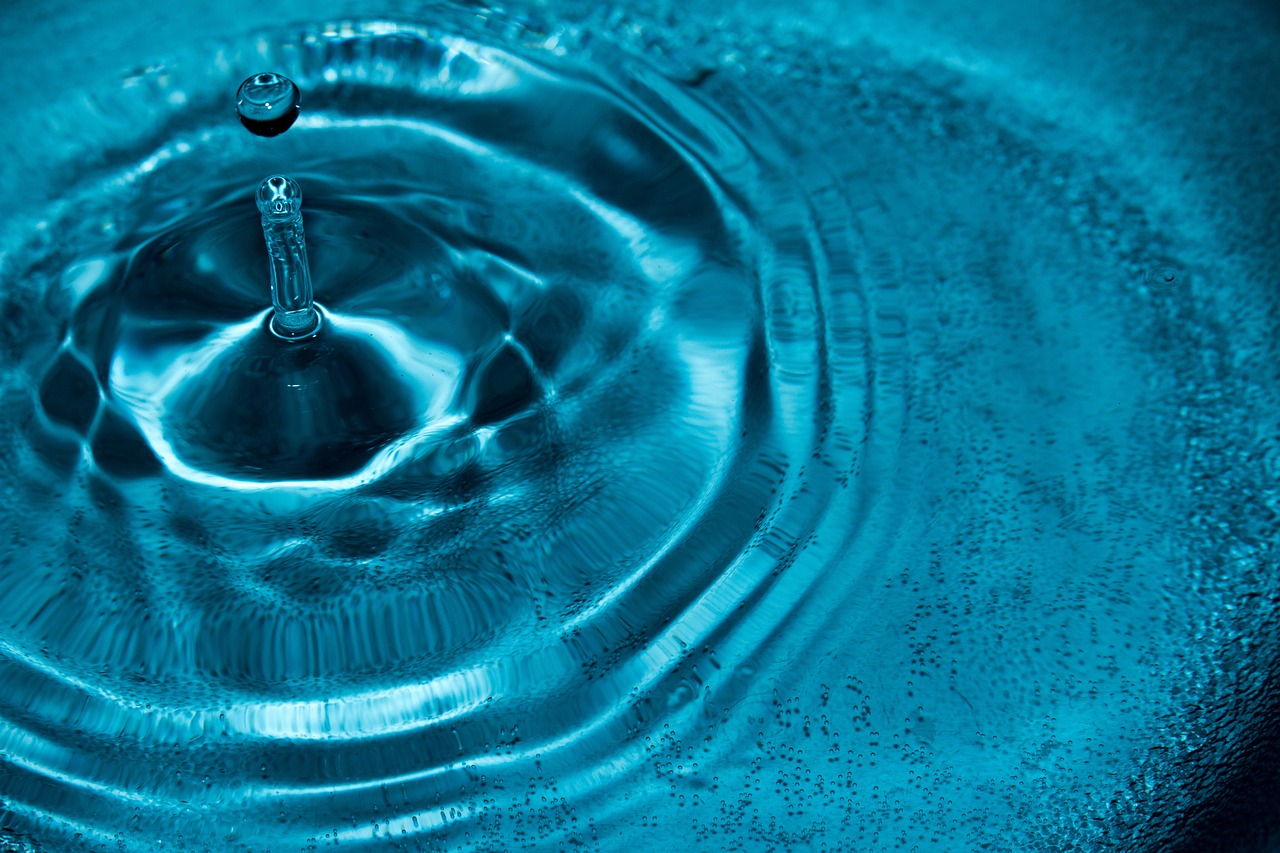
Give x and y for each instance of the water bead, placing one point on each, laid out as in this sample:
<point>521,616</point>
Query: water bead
<point>279,197</point>
<point>268,103</point>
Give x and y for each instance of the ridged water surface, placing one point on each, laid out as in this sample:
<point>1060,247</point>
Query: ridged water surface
<point>772,450</point>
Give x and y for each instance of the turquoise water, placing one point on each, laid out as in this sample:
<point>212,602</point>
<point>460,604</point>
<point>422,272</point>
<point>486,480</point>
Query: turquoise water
<point>724,442</point>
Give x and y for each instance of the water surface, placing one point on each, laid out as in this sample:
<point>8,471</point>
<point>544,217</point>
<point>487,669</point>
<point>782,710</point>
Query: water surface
<point>748,444</point>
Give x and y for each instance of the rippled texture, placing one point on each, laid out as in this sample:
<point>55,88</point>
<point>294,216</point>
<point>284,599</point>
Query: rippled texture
<point>798,445</point>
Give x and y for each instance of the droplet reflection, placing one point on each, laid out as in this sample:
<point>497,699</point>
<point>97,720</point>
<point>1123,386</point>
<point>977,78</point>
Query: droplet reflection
<point>268,104</point>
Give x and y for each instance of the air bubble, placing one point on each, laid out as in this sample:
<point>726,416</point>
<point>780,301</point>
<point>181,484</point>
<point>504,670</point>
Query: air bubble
<point>1163,275</point>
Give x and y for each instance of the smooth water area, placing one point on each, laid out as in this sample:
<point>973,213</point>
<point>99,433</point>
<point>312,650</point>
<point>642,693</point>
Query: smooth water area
<point>773,447</point>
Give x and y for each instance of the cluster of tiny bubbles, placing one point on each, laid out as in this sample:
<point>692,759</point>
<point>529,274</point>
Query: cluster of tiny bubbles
<point>268,103</point>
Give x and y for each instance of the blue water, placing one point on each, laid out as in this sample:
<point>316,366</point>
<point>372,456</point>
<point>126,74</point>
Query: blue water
<point>267,103</point>
<point>708,444</point>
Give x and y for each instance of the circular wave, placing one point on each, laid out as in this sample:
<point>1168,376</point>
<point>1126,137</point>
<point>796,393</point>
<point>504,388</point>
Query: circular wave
<point>623,363</point>
<point>733,448</point>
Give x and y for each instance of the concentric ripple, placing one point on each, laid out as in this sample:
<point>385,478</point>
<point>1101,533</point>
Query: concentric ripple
<point>793,447</point>
<point>571,402</point>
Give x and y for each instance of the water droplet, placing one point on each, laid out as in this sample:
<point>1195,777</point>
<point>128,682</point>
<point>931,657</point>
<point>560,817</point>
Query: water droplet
<point>268,104</point>
<point>279,196</point>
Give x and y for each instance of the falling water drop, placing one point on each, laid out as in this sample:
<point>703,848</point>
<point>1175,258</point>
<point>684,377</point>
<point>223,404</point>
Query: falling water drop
<point>280,202</point>
<point>268,103</point>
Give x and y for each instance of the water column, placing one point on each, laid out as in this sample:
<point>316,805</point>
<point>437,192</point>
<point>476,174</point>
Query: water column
<point>280,202</point>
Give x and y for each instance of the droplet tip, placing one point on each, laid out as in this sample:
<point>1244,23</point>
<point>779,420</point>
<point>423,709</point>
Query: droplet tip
<point>279,197</point>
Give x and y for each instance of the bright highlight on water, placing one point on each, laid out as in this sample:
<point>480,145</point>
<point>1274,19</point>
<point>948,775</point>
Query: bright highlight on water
<point>702,428</point>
